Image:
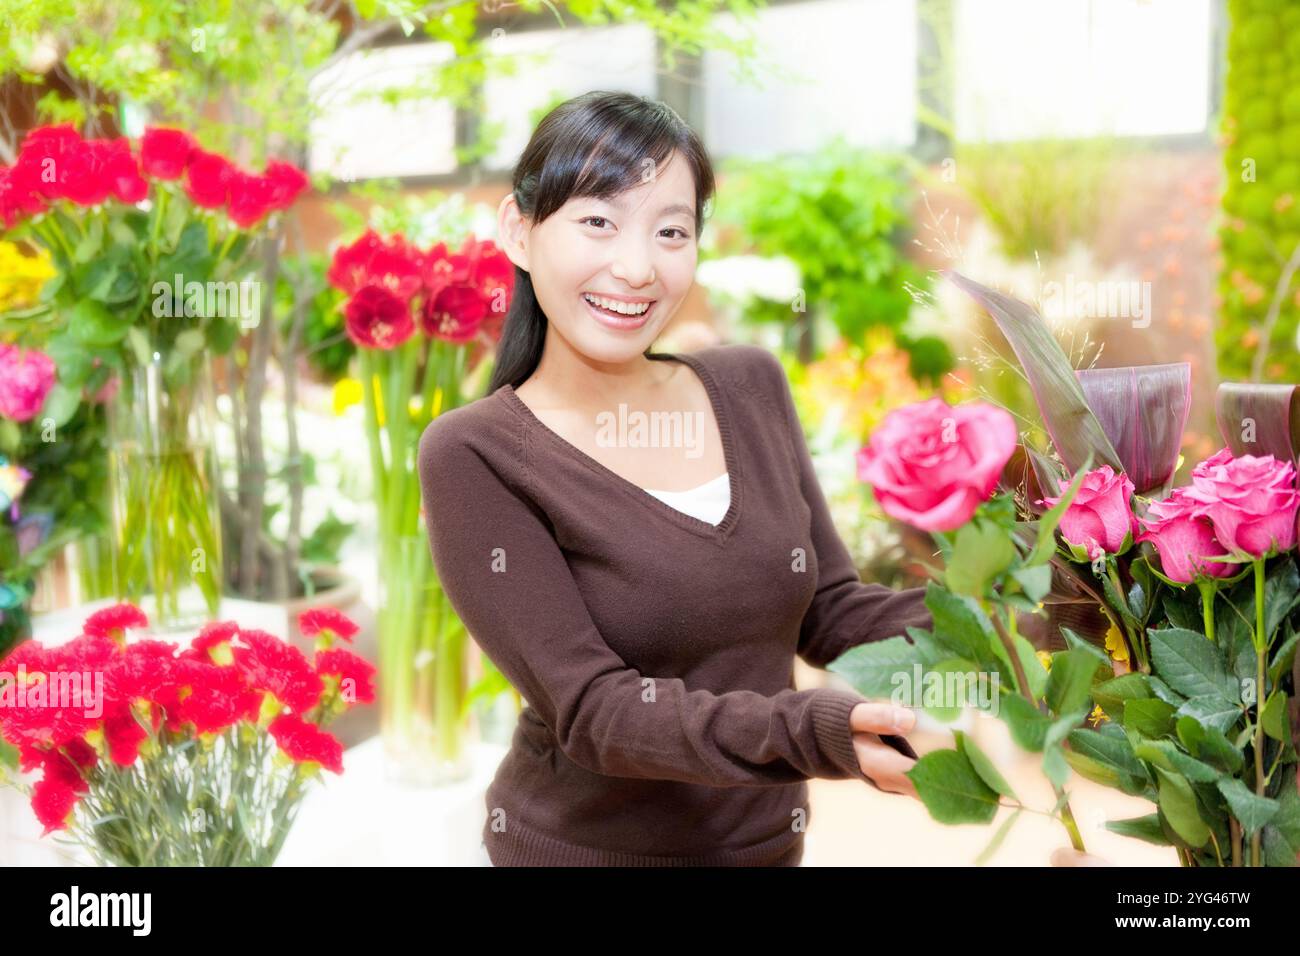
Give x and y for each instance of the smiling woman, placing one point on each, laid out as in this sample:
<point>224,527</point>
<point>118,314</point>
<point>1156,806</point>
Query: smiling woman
<point>647,598</point>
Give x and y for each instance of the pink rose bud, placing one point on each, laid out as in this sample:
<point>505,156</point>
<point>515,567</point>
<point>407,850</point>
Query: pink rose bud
<point>1251,501</point>
<point>1099,518</point>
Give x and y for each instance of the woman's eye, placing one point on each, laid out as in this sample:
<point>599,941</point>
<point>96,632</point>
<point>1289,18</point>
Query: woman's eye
<point>598,219</point>
<point>682,233</point>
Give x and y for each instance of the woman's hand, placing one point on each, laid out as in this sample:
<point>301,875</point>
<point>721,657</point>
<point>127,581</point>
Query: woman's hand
<point>879,761</point>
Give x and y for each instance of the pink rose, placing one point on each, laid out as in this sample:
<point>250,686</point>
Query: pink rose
<point>1220,457</point>
<point>1099,518</point>
<point>26,377</point>
<point>1183,538</point>
<point>931,464</point>
<point>1251,501</point>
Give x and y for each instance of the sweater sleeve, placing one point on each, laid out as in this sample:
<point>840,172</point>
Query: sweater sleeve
<point>845,611</point>
<point>507,579</point>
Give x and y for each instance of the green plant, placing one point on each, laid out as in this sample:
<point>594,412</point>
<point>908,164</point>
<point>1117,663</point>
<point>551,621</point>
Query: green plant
<point>1260,232</point>
<point>841,216</point>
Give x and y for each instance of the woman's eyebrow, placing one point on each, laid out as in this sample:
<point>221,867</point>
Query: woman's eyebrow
<point>681,207</point>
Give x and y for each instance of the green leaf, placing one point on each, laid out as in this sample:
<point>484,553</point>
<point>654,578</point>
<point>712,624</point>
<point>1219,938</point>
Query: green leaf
<point>1209,744</point>
<point>1028,725</point>
<point>1178,806</point>
<point>1150,718</point>
<point>879,668</point>
<point>61,404</point>
<point>980,554</point>
<point>951,789</point>
<point>961,625</point>
<point>1145,828</point>
<point>1105,756</point>
<point>1213,712</point>
<point>91,323</point>
<point>1045,546</point>
<point>1035,581</point>
<point>1251,810</point>
<point>983,766</point>
<point>1070,678</point>
<point>89,245</point>
<point>1274,717</point>
<point>1190,664</point>
<point>1111,695</point>
<point>1165,753</point>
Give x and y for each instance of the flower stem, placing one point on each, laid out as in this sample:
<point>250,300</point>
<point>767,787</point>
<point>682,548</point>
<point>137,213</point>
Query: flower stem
<point>1208,590</point>
<point>1261,649</point>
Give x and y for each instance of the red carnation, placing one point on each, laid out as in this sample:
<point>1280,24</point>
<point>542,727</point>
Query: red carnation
<point>378,319</point>
<point>47,158</point>
<point>269,664</point>
<point>164,153</point>
<point>346,666</point>
<point>208,178</point>
<point>287,181</point>
<point>210,697</point>
<point>305,742</point>
<point>17,199</point>
<point>319,619</point>
<point>120,171</point>
<point>113,622</point>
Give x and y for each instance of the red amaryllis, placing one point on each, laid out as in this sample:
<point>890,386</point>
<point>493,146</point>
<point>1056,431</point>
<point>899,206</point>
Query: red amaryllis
<point>164,153</point>
<point>392,264</point>
<point>287,183</point>
<point>305,742</point>
<point>312,622</point>
<point>208,179</point>
<point>354,674</point>
<point>378,319</point>
<point>251,198</point>
<point>465,290</point>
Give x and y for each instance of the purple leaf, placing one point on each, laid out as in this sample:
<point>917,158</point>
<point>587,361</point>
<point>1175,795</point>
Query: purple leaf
<point>1143,410</point>
<point>1264,414</point>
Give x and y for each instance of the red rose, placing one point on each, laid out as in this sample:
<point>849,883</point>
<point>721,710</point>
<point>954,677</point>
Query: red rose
<point>164,153</point>
<point>378,319</point>
<point>208,178</point>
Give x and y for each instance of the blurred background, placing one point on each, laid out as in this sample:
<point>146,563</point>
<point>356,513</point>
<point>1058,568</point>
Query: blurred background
<point>1128,166</point>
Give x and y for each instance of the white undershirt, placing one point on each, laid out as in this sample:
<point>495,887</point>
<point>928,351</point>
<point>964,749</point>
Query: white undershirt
<point>709,502</point>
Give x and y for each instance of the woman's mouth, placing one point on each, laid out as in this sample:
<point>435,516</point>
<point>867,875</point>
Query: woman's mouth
<point>621,321</point>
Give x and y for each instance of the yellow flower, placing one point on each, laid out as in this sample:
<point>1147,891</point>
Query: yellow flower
<point>347,392</point>
<point>1115,644</point>
<point>1097,715</point>
<point>22,276</point>
<point>1046,659</point>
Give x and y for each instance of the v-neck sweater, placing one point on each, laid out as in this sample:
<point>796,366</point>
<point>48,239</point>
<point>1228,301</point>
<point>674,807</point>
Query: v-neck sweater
<point>709,502</point>
<point>654,651</point>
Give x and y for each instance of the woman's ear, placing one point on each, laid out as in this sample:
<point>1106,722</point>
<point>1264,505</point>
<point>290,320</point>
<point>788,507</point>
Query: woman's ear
<point>512,231</point>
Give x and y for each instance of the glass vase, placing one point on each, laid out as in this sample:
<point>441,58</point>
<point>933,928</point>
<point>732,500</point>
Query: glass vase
<point>166,521</point>
<point>423,668</point>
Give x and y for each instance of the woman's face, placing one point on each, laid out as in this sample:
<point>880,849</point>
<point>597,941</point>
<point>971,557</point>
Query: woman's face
<point>636,252</point>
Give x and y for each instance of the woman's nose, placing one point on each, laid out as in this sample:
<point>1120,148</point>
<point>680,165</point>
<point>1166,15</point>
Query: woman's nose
<point>632,264</point>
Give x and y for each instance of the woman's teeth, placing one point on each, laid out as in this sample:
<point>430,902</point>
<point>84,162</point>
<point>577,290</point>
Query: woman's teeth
<point>622,308</point>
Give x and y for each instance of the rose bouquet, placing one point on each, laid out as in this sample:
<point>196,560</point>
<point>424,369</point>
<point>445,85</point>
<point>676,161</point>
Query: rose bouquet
<point>1187,671</point>
<point>152,246</point>
<point>420,319</point>
<point>154,755</point>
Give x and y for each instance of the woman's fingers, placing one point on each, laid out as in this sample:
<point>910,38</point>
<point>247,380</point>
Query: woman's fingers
<point>884,765</point>
<point>881,717</point>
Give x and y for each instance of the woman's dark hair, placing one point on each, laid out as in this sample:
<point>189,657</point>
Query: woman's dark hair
<point>597,145</point>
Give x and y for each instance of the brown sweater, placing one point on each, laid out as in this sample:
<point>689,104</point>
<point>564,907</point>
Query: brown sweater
<point>655,651</point>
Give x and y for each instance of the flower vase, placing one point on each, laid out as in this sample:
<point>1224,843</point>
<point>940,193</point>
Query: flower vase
<point>166,524</point>
<point>423,668</point>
